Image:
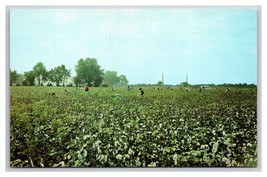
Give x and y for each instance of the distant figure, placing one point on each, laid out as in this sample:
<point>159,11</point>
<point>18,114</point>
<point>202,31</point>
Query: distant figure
<point>51,94</point>
<point>128,88</point>
<point>86,88</point>
<point>141,91</point>
<point>227,89</point>
<point>66,91</point>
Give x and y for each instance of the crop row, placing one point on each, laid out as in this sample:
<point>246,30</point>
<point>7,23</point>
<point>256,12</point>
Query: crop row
<point>101,128</point>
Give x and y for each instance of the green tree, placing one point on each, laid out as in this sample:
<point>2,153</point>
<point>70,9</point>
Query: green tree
<point>59,75</point>
<point>40,73</point>
<point>55,75</point>
<point>77,81</point>
<point>65,74</point>
<point>160,83</point>
<point>50,76</point>
<point>184,84</point>
<point>20,79</point>
<point>13,77</point>
<point>123,80</point>
<point>29,78</point>
<point>88,71</point>
<point>111,78</point>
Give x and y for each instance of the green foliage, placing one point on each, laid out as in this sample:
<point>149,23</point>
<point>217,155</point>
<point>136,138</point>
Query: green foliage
<point>59,75</point>
<point>40,73</point>
<point>111,78</point>
<point>78,81</point>
<point>19,80</point>
<point>170,128</point>
<point>88,71</point>
<point>104,85</point>
<point>123,80</point>
<point>13,76</point>
<point>160,83</point>
<point>29,78</point>
<point>184,84</point>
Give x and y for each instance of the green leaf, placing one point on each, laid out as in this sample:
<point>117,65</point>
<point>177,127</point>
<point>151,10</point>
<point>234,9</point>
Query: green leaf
<point>215,147</point>
<point>152,164</point>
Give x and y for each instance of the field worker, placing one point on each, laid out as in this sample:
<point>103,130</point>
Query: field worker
<point>141,91</point>
<point>86,88</point>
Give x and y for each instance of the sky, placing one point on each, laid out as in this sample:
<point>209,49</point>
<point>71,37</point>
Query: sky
<point>210,45</point>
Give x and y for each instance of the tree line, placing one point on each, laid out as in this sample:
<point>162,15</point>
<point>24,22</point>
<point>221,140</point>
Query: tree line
<point>88,71</point>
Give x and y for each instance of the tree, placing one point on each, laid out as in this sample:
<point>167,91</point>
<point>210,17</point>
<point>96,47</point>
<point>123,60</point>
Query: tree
<point>184,84</point>
<point>65,74</point>
<point>50,76</point>
<point>59,75</point>
<point>111,78</point>
<point>29,78</point>
<point>40,72</point>
<point>77,81</point>
<point>88,71</point>
<point>160,83</point>
<point>13,76</point>
<point>55,75</point>
<point>123,80</point>
<point>20,79</point>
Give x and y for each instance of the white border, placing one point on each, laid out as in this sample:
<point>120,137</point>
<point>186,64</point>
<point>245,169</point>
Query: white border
<point>3,92</point>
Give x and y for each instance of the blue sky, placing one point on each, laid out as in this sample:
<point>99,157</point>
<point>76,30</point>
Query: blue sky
<point>216,45</point>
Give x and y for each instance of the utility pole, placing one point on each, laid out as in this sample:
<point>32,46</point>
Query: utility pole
<point>186,78</point>
<point>162,79</point>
